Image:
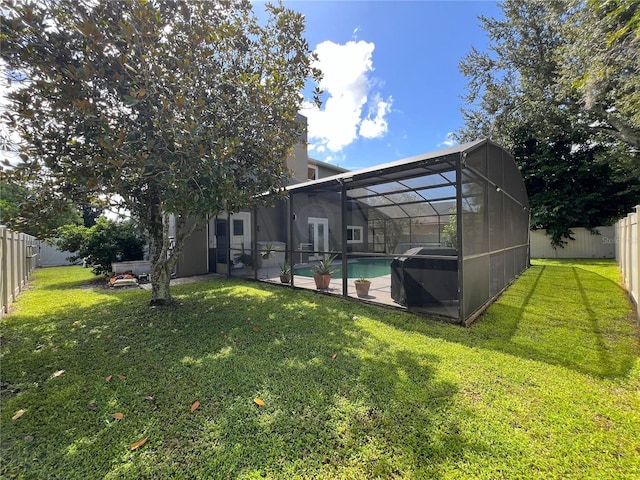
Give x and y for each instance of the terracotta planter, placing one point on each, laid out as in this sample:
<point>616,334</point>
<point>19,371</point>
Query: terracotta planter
<point>322,281</point>
<point>362,288</point>
<point>285,278</point>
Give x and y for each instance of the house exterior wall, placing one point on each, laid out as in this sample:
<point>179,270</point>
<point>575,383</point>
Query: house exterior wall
<point>326,205</point>
<point>272,223</point>
<point>298,160</point>
<point>297,164</point>
<point>194,259</point>
<point>324,171</point>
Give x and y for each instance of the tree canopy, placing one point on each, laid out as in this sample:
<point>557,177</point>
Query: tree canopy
<point>558,88</point>
<point>163,106</point>
<point>35,213</point>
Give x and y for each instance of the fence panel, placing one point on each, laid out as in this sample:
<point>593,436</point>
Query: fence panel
<point>17,262</point>
<point>628,254</point>
<point>585,245</point>
<point>50,256</point>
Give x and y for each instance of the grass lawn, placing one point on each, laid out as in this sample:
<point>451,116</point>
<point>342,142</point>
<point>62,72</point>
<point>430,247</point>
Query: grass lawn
<point>546,385</point>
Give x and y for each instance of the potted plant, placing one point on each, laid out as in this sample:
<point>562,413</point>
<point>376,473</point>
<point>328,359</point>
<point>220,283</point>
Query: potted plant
<point>245,260</point>
<point>322,271</point>
<point>362,287</point>
<point>267,251</point>
<point>285,272</point>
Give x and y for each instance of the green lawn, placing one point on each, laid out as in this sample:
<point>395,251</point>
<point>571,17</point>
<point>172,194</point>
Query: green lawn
<point>546,384</point>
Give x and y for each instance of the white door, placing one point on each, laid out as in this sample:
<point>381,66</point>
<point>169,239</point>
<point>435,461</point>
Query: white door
<point>240,230</point>
<point>318,236</point>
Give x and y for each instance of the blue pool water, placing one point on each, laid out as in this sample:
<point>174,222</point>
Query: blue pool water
<point>362,267</point>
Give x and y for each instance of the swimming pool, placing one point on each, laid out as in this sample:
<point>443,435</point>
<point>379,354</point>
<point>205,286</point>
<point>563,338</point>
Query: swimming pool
<point>356,268</point>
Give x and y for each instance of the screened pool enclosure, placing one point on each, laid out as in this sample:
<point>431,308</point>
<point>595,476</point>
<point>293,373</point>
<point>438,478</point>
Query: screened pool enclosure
<point>442,233</point>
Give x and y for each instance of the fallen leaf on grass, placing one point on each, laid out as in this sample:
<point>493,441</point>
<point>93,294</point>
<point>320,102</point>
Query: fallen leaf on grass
<point>108,379</point>
<point>118,416</point>
<point>57,374</point>
<point>334,356</point>
<point>195,405</point>
<point>76,323</point>
<point>18,414</point>
<point>92,407</point>
<point>139,443</point>
<point>149,398</point>
<point>256,329</point>
<point>122,377</point>
<point>259,402</point>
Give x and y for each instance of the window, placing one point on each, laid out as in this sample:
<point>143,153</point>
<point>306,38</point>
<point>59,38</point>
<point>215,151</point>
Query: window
<point>238,227</point>
<point>354,234</point>
<point>312,171</point>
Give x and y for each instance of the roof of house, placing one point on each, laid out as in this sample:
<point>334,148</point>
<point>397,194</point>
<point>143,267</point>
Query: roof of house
<point>328,166</point>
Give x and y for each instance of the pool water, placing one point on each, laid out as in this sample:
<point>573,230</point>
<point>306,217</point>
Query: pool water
<point>362,267</point>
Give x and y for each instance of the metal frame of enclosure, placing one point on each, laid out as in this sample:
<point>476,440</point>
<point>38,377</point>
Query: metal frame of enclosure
<point>441,233</point>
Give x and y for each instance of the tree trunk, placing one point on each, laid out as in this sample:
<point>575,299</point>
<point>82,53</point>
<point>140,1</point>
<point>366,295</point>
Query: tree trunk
<point>164,256</point>
<point>160,284</point>
<point>161,265</point>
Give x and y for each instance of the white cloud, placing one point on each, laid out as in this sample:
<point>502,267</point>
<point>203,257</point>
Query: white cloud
<point>377,126</point>
<point>449,140</point>
<point>347,84</point>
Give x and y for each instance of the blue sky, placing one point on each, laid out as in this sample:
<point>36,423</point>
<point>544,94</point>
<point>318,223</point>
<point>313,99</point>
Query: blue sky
<point>392,84</point>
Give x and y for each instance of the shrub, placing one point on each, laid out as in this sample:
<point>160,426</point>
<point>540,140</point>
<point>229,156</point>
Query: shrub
<point>100,245</point>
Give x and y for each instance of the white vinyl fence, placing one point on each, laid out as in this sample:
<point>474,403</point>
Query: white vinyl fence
<point>628,254</point>
<point>18,254</point>
<point>585,245</point>
<point>50,256</point>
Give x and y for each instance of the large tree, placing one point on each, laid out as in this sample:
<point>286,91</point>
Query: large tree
<point>15,206</point>
<point>36,213</point>
<point>170,107</point>
<point>539,92</point>
<point>599,62</point>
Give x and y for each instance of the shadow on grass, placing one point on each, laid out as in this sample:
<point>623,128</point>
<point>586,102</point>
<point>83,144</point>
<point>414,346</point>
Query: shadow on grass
<point>562,315</point>
<point>376,409</point>
<point>338,401</point>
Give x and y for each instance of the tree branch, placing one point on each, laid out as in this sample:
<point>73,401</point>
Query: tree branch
<point>621,130</point>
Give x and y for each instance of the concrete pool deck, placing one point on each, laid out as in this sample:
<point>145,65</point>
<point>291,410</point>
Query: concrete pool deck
<point>379,292</point>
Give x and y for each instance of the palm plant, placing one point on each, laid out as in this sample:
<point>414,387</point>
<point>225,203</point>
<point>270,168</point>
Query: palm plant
<point>325,266</point>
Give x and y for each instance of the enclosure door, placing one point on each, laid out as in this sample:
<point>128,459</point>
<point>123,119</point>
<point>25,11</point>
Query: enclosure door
<point>240,233</point>
<point>318,236</point>
<point>222,245</point>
